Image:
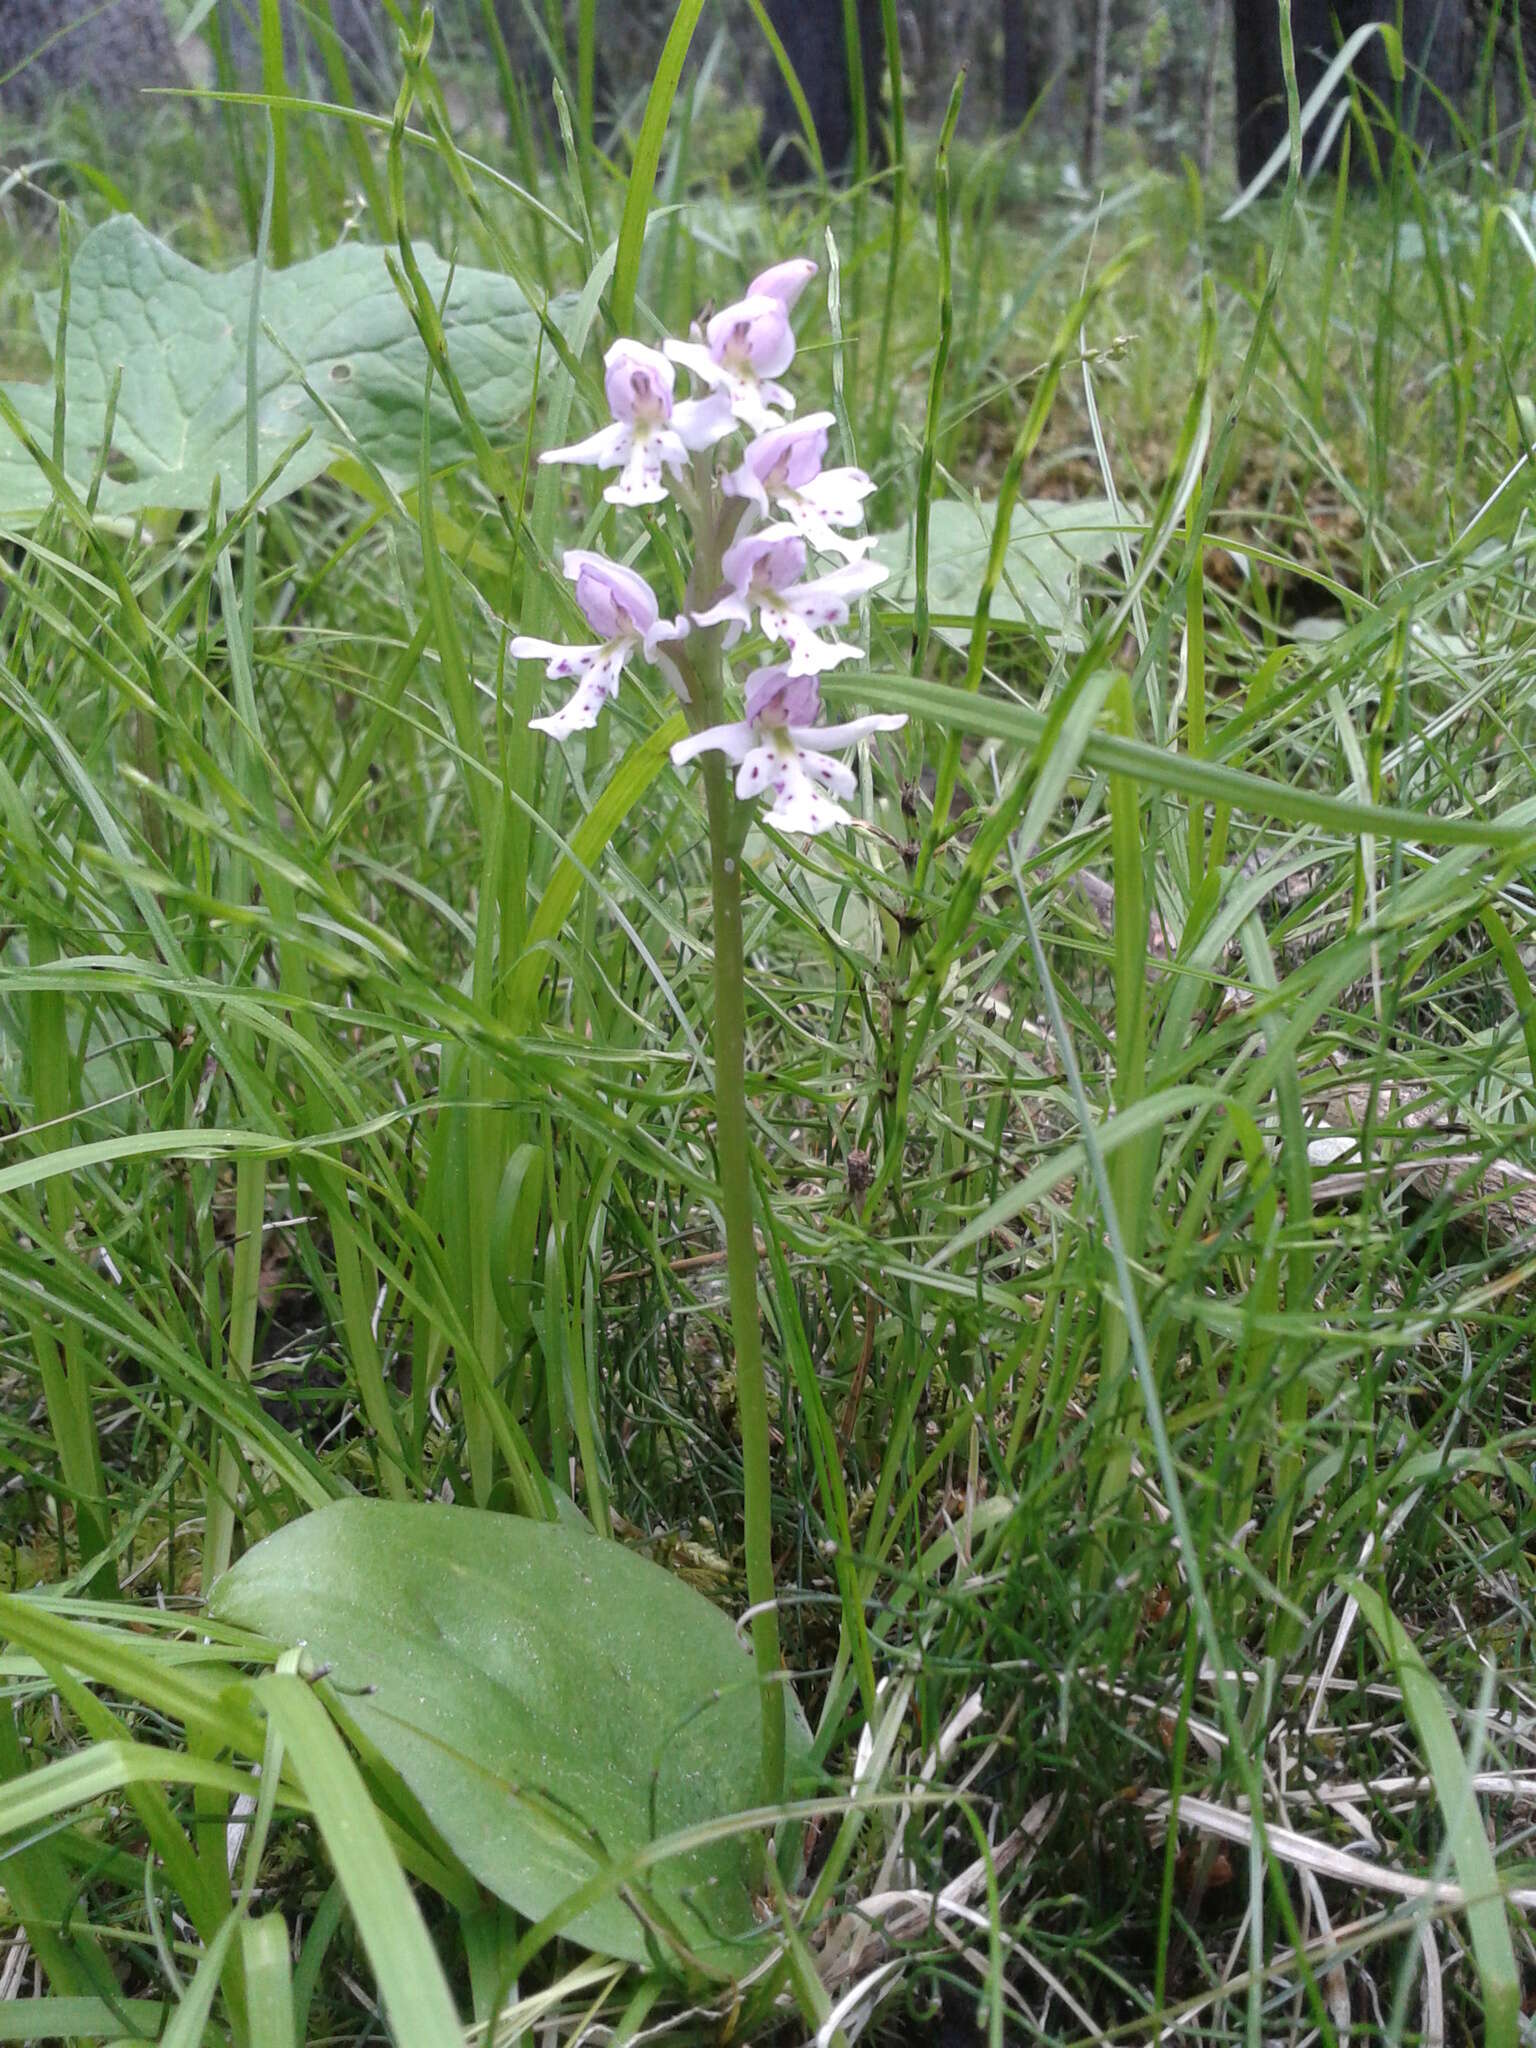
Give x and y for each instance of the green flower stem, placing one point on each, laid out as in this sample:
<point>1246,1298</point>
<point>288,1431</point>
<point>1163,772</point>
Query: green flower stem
<point>732,1145</point>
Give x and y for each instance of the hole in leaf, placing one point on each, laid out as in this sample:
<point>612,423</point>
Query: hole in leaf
<point>120,468</point>
<point>341,373</point>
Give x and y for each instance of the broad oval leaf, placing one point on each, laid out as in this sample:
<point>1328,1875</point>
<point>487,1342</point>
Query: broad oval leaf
<point>1049,541</point>
<point>541,1692</point>
<point>179,334</point>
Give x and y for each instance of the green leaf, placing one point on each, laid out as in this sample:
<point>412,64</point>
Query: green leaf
<point>1487,1917</point>
<point>642,170</point>
<point>80,2019</point>
<point>553,1702</point>
<point>1048,544</point>
<point>178,333</point>
<point>410,1980</point>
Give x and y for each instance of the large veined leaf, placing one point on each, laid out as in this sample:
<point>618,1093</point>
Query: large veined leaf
<point>540,1691</point>
<point>179,335</point>
<point>1049,542</point>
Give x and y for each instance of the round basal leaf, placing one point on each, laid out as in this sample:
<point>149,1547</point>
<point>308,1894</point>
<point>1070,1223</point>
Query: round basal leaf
<point>551,1700</point>
<point>1048,544</point>
<point>338,356</point>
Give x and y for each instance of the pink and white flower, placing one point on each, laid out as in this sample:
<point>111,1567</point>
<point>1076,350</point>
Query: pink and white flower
<point>765,571</point>
<point>784,465</point>
<point>621,609</point>
<point>650,431</point>
<point>747,346</point>
<point>779,747</point>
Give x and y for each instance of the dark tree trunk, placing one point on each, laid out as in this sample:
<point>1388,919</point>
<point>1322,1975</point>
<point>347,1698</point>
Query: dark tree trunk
<point>1019,86</point>
<point>813,35</point>
<point>1098,80</point>
<point>1433,35</point>
<point>1056,45</point>
<point>1210,65</point>
<point>52,47</point>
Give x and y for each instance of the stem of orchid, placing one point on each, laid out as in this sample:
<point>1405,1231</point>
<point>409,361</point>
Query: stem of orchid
<point>732,1144</point>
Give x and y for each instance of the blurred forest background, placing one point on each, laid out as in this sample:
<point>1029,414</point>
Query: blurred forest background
<point>1171,79</point>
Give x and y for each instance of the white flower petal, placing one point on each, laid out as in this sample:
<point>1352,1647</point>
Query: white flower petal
<point>701,422</point>
<point>843,586</point>
<point>583,709</point>
<point>641,482</point>
<point>744,391</point>
<point>732,611</point>
<point>696,358</point>
<point>664,630</point>
<point>838,495</point>
<point>559,660</point>
<point>742,482</point>
<point>834,775</point>
<point>808,521</point>
<point>734,741</point>
<point>808,655</point>
<point>761,768</point>
<point>850,733</point>
<point>606,449</point>
<point>751,401</point>
<point>801,807</point>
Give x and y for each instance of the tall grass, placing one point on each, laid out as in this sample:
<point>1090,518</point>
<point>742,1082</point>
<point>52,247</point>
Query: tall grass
<point>1146,1266</point>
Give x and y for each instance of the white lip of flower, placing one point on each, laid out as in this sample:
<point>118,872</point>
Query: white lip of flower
<point>765,569</point>
<point>779,747</point>
<point>745,347</point>
<point>784,465</point>
<point>649,431</point>
<point>618,604</point>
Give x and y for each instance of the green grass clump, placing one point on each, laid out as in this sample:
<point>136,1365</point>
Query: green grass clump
<point>1143,1111</point>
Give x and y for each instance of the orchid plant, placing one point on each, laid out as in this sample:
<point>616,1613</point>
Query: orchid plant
<point>758,520</point>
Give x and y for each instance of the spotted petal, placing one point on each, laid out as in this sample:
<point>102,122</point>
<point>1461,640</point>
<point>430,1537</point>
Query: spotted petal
<point>559,660</point>
<point>800,807</point>
<point>808,654</point>
<point>808,519</point>
<point>641,482</point>
<point>834,775</point>
<point>761,768</point>
<point>599,684</point>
